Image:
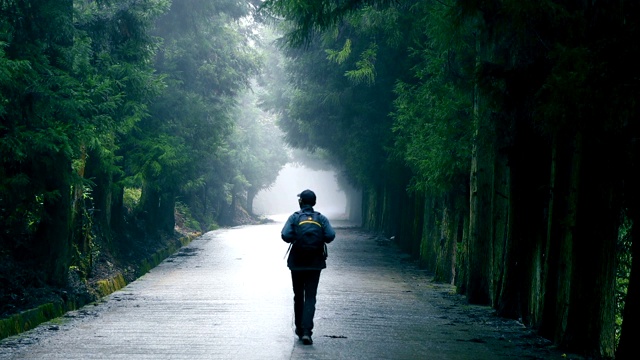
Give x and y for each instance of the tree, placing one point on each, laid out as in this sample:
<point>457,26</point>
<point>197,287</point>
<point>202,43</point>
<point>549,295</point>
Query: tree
<point>40,123</point>
<point>263,154</point>
<point>206,63</point>
<point>542,133</point>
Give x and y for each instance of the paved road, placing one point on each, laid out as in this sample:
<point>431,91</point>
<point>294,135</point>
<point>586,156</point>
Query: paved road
<point>228,296</point>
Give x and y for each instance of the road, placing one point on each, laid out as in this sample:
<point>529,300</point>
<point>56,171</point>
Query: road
<point>227,295</point>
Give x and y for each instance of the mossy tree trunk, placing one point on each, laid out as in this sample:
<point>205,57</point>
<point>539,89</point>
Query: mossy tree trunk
<point>53,235</point>
<point>117,209</point>
<point>480,234</point>
<point>410,223</point>
<point>372,208</point>
<point>157,209</point>
<point>563,177</point>
<point>391,224</point>
<point>102,192</point>
<point>631,315</point>
<point>149,207</point>
<point>166,211</point>
<point>566,240</point>
<point>354,210</point>
<point>501,214</point>
<point>594,256</point>
<point>428,250</point>
<point>416,220</point>
<point>251,195</point>
<point>523,254</point>
<point>480,250</point>
<point>447,242</point>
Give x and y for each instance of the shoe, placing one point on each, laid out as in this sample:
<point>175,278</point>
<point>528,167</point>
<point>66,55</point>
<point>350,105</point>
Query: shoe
<point>306,339</point>
<point>299,334</point>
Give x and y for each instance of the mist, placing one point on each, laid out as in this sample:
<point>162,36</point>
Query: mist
<point>281,199</point>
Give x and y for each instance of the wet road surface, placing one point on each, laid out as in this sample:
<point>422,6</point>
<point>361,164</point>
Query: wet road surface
<point>227,295</point>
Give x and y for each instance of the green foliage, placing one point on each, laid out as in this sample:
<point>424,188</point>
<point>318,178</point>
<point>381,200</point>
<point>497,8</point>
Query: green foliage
<point>40,125</point>
<point>197,144</point>
<point>339,100</point>
<point>259,153</point>
<point>102,99</point>
<point>623,273</point>
<point>185,220</point>
<point>340,56</point>
<point>365,68</point>
<point>131,198</point>
<point>538,72</point>
<point>311,17</point>
<point>433,109</point>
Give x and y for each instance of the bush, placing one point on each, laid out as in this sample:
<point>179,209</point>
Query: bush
<point>131,198</point>
<point>185,220</point>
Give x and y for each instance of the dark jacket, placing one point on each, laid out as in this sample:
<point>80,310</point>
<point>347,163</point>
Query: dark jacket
<point>296,262</point>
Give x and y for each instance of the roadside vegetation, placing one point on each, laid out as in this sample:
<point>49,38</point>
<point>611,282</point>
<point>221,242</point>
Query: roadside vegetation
<point>125,127</point>
<point>495,141</point>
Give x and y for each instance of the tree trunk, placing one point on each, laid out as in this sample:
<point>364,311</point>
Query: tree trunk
<point>521,291</point>
<point>480,208</point>
<point>53,236</point>
<point>117,217</point>
<point>372,209</point>
<point>631,317</point>
<point>428,250</point>
<point>251,195</point>
<point>508,304</point>
<point>631,314</point>
<point>557,273</point>
<point>390,209</point>
<point>566,239</point>
<point>101,193</point>
<point>150,206</point>
<point>79,212</point>
<point>456,241</point>
<point>166,212</point>
<point>502,217</point>
<point>409,217</point>
<point>446,243</point>
<point>354,205</point>
<point>593,282</point>
<point>462,268</point>
<point>480,239</point>
<point>205,203</point>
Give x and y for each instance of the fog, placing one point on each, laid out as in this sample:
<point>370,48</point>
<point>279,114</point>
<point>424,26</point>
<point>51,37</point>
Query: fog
<point>281,200</point>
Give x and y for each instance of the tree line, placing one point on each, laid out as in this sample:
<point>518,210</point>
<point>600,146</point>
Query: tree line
<point>118,115</point>
<point>497,140</point>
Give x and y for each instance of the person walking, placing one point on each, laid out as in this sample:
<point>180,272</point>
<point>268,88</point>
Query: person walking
<point>308,232</point>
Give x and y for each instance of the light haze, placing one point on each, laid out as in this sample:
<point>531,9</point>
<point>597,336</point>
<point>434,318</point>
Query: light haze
<point>281,199</point>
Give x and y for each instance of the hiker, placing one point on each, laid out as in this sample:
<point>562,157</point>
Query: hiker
<point>308,232</point>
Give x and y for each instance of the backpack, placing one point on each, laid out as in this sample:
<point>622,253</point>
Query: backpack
<point>309,234</point>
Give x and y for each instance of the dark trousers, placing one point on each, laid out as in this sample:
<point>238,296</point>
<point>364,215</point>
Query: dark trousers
<point>305,288</point>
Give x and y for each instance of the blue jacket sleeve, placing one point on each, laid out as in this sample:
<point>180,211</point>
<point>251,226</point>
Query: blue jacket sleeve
<point>329,233</point>
<point>288,231</point>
